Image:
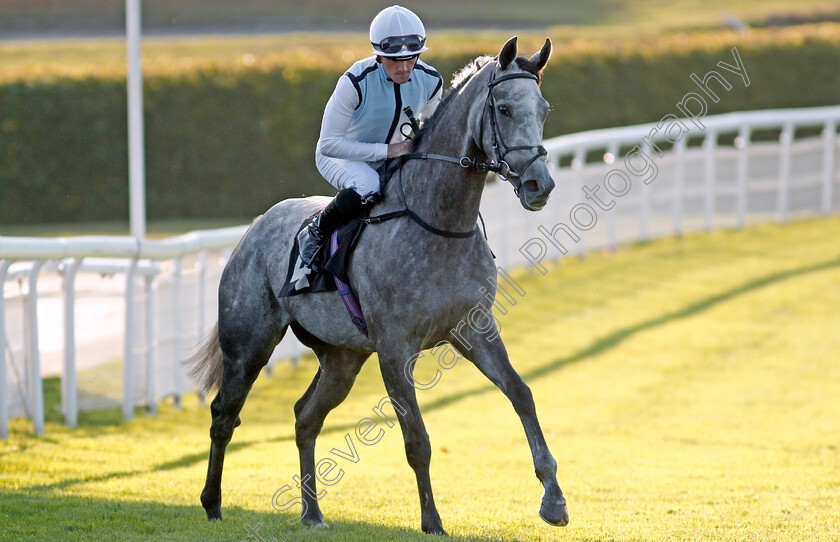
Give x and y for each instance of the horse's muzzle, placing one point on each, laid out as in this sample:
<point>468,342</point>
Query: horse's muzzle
<point>534,192</point>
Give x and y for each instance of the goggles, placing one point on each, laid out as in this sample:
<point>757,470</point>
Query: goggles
<point>402,58</point>
<point>393,45</point>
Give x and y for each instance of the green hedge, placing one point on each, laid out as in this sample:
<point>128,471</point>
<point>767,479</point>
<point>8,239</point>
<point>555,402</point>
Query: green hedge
<point>228,142</point>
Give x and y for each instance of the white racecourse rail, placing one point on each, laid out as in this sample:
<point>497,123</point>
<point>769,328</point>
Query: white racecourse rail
<point>114,316</point>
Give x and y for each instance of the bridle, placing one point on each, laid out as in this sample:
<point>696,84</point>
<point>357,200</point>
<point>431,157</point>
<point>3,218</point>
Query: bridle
<point>500,148</point>
<point>498,166</point>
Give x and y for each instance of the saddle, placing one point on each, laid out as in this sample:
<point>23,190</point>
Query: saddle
<point>333,275</point>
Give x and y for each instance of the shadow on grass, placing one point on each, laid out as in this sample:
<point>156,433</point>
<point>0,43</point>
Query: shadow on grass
<point>618,336</point>
<point>36,516</point>
<point>599,346</point>
<point>612,340</point>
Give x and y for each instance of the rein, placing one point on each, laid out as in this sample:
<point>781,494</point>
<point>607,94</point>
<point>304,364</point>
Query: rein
<point>498,166</point>
<point>428,227</point>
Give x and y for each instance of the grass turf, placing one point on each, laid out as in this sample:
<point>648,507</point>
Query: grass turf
<point>688,388</point>
<point>314,44</point>
<point>92,15</point>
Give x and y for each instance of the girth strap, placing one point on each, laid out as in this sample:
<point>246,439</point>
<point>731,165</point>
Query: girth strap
<point>346,293</point>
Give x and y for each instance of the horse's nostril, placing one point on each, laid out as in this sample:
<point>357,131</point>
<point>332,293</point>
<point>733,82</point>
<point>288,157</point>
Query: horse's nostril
<point>531,186</point>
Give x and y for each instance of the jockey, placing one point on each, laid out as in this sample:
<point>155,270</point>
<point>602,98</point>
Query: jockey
<point>362,120</point>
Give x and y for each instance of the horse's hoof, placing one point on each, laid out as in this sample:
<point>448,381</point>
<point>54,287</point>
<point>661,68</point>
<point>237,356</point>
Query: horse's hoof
<point>212,503</point>
<point>555,513</point>
<point>214,513</point>
<point>314,522</point>
<point>439,531</point>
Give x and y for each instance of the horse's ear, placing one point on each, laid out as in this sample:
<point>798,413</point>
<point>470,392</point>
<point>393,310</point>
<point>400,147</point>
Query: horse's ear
<point>541,58</point>
<point>508,53</point>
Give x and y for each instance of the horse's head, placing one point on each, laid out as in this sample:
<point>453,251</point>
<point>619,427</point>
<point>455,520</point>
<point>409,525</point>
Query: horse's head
<point>511,124</point>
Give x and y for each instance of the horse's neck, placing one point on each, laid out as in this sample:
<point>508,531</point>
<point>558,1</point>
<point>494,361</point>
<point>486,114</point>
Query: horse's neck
<point>445,194</point>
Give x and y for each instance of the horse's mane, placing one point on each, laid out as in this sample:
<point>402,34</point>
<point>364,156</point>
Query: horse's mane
<point>459,79</point>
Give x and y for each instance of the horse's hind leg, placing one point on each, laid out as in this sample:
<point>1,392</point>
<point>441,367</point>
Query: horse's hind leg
<point>337,372</point>
<point>308,393</point>
<point>488,353</point>
<point>243,360</point>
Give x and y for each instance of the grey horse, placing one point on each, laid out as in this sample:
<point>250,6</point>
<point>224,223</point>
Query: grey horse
<point>417,279</point>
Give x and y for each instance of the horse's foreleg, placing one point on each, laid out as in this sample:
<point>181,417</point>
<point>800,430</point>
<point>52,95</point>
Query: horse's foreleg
<point>418,451</point>
<point>329,388</point>
<point>488,353</point>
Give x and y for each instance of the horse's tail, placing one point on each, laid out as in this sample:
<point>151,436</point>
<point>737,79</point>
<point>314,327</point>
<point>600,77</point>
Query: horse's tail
<point>205,366</point>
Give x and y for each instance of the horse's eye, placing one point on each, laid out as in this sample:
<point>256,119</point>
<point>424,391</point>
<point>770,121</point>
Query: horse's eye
<point>503,109</point>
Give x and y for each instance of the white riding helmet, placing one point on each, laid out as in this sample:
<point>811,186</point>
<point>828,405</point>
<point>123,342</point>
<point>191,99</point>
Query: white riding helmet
<point>397,32</point>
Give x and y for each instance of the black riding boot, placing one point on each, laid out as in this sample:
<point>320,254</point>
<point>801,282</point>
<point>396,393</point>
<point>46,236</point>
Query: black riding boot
<point>345,205</point>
